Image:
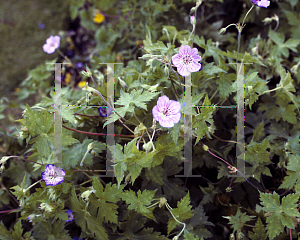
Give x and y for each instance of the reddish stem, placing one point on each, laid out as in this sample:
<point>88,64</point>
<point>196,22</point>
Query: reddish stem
<point>6,129</point>
<point>97,134</point>
<point>7,211</point>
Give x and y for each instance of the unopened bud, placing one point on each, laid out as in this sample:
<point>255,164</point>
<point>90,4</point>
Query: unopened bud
<point>294,69</point>
<point>222,30</point>
<point>166,70</point>
<point>193,9</point>
<point>193,20</point>
<point>147,146</point>
<point>205,147</point>
<point>267,20</point>
<point>162,202</point>
<point>87,72</point>
<point>90,146</point>
<point>122,83</point>
<point>93,153</point>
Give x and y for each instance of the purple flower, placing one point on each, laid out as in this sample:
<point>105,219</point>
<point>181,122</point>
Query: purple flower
<point>52,44</point>
<point>70,215</point>
<point>53,175</point>
<point>187,60</point>
<point>79,65</point>
<point>166,112</point>
<point>261,3</point>
<point>41,25</point>
<point>104,111</point>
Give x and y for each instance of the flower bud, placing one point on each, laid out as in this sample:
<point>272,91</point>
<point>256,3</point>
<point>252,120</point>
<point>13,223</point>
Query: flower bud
<point>198,3</point>
<point>147,146</point>
<point>91,146</point>
<point>162,202</point>
<point>99,76</point>
<point>294,69</point>
<point>93,153</point>
<point>122,83</point>
<point>85,195</point>
<point>87,72</point>
<point>267,20</point>
<point>166,70</point>
<point>193,9</point>
<point>222,30</point>
<point>205,147</point>
<point>193,20</point>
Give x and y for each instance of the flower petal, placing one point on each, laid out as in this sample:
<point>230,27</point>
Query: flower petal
<point>175,118</point>
<point>177,60</point>
<point>183,70</point>
<point>185,50</point>
<point>174,107</point>
<point>194,67</point>
<point>168,123</point>
<point>162,103</point>
<point>156,113</point>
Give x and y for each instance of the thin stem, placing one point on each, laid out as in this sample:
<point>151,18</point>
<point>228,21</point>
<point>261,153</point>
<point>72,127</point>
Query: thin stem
<point>97,134</point>
<point>170,210</point>
<point>26,160</point>
<point>10,194</point>
<point>33,185</point>
<point>223,140</point>
<point>7,211</point>
<point>195,25</point>
<point>85,181</point>
<point>6,129</point>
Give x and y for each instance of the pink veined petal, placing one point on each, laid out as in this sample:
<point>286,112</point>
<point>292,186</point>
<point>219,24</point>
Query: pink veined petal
<point>183,70</point>
<point>194,51</point>
<point>156,113</point>
<point>196,58</point>
<point>166,123</point>
<point>162,103</point>
<point>184,50</point>
<point>174,107</point>
<point>177,60</point>
<point>175,118</point>
<point>194,67</point>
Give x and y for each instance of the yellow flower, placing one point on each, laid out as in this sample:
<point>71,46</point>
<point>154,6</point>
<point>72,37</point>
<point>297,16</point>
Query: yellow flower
<point>17,90</point>
<point>99,18</point>
<point>81,84</point>
<point>68,77</point>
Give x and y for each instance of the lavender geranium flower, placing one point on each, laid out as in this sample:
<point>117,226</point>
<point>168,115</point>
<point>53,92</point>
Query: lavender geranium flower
<point>104,111</point>
<point>261,3</point>
<point>70,215</point>
<point>187,60</point>
<point>53,175</point>
<point>166,112</point>
<point>52,44</point>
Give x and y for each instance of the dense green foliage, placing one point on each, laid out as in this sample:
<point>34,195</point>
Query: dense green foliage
<point>146,200</point>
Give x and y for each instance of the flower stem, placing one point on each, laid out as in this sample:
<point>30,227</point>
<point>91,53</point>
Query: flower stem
<point>32,185</point>
<point>97,134</point>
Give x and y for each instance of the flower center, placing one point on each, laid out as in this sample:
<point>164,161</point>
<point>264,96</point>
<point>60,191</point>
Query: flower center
<point>166,112</point>
<point>53,174</point>
<point>187,60</point>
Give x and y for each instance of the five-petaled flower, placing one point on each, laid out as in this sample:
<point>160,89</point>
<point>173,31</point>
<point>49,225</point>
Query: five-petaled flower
<point>187,60</point>
<point>70,215</point>
<point>166,112</point>
<point>104,111</point>
<point>53,175</point>
<point>261,3</point>
<point>52,44</point>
